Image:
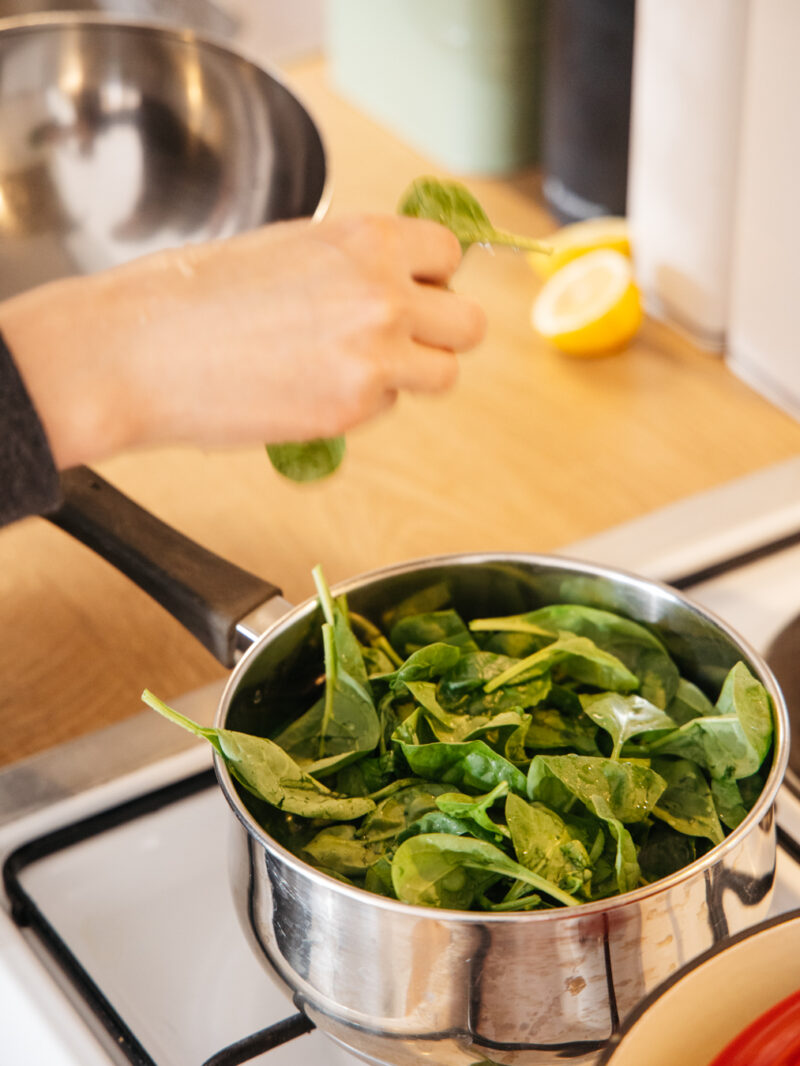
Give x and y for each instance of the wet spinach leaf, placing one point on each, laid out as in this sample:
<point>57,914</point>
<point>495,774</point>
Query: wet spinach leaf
<point>550,728</point>
<point>612,790</point>
<point>624,717</point>
<point>472,764</point>
<point>268,772</point>
<point>578,658</point>
<point>543,843</point>
<point>686,803</point>
<point>733,742</point>
<point>476,808</point>
<point>641,652</point>
<point>336,848</point>
<point>689,702</point>
<point>442,870</point>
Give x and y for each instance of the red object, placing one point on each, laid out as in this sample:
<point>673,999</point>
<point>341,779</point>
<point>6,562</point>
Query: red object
<point>771,1040</point>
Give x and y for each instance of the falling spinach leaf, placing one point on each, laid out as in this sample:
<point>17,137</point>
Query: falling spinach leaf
<point>307,460</point>
<point>454,206</point>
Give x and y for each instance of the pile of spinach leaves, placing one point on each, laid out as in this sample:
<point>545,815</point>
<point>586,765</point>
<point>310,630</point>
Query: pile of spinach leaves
<point>502,764</point>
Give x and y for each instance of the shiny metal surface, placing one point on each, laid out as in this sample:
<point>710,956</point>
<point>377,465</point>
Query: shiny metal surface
<point>400,984</point>
<point>204,16</point>
<point>122,138</point>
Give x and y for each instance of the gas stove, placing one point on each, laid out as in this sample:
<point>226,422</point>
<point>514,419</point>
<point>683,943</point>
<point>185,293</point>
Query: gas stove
<point>118,943</point>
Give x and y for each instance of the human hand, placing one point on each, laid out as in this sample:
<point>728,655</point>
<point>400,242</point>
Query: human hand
<point>289,332</point>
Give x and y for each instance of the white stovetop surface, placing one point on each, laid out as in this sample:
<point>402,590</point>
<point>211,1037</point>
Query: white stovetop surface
<point>157,888</point>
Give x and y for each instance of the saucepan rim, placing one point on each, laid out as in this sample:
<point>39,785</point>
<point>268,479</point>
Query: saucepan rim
<point>763,806</point>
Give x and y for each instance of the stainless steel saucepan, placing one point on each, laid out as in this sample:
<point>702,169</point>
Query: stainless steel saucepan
<point>405,984</point>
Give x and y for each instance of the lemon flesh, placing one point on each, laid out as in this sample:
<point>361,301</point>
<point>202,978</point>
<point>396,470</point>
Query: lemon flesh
<point>578,238</point>
<point>591,306</point>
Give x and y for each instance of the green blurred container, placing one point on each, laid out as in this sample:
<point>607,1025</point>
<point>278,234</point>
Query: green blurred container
<point>459,80</point>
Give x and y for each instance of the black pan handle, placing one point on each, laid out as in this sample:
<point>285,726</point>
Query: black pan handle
<point>205,593</point>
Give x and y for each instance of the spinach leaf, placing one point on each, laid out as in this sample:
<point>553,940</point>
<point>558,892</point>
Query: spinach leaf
<point>550,728</point>
<point>577,657</point>
<point>366,776</point>
<point>394,813</point>
<point>623,717</point>
<point>340,727</point>
<point>472,670</point>
<point>439,822</point>
<point>349,656</point>
<point>475,808</point>
<point>443,870</point>
<point>422,665</point>
<point>542,843</point>
<point>689,702</point>
<point>307,460</point>
<point>614,791</point>
<point>734,741</point>
<point>454,206</point>
<point>687,803</point>
<point>424,601</point>
<point>472,764</point>
<point>379,645</point>
<point>728,801</point>
<point>439,627</point>
<point>268,772</point>
<point>453,728</point>
<point>626,863</point>
<point>336,848</point>
<point>665,851</point>
<point>641,652</point>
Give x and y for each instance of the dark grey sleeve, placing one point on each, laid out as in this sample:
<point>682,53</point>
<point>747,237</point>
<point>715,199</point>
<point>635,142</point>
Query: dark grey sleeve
<point>29,481</point>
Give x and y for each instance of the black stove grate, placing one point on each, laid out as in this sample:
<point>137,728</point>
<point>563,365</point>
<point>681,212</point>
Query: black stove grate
<point>27,914</point>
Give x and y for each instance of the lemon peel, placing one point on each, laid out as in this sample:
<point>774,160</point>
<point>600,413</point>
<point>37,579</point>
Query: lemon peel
<point>579,238</point>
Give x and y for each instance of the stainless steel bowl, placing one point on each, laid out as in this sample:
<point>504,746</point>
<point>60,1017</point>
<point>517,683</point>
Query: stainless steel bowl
<point>121,138</point>
<point>404,984</point>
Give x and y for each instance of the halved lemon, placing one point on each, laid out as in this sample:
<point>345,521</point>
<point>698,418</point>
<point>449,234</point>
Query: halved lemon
<point>578,238</point>
<point>591,306</point>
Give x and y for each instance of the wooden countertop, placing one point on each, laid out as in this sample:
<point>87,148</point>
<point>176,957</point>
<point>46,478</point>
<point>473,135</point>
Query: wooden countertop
<point>531,451</point>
